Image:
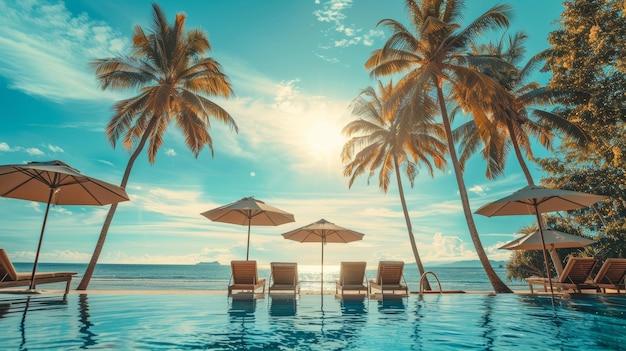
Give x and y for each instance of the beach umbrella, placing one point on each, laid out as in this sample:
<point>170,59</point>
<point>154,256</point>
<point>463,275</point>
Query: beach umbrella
<point>55,183</point>
<point>323,232</point>
<point>535,200</point>
<point>249,211</point>
<point>553,239</point>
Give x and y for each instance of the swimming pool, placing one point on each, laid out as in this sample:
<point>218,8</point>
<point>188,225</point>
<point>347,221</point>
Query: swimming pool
<point>164,321</point>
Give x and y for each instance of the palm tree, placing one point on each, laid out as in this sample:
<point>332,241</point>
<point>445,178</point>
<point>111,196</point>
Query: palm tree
<point>386,136</point>
<point>435,58</point>
<point>172,77</point>
<point>519,121</point>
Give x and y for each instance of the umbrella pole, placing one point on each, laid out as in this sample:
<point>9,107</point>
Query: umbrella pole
<point>248,246</point>
<point>545,254</point>
<point>322,283</point>
<point>43,227</point>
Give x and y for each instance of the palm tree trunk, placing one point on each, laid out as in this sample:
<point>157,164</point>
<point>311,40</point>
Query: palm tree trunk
<point>409,227</point>
<point>109,218</point>
<point>529,178</point>
<point>518,153</point>
<point>496,282</point>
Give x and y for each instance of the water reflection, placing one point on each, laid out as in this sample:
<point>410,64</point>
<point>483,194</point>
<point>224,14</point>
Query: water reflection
<point>87,336</point>
<point>487,323</point>
<point>23,323</point>
<point>283,306</point>
<point>416,336</point>
<point>393,305</point>
<point>28,309</point>
<point>241,312</point>
<point>186,322</point>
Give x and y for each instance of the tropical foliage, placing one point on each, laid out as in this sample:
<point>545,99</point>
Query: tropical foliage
<point>435,65</point>
<point>388,137</point>
<point>518,123</point>
<point>588,66</point>
<point>168,70</point>
<point>587,53</point>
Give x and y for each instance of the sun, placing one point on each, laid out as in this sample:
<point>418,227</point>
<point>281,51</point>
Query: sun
<point>324,139</point>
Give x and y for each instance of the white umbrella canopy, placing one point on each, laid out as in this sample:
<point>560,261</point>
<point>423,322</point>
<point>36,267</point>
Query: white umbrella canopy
<point>553,239</point>
<point>56,183</point>
<point>34,181</point>
<point>249,211</point>
<point>323,232</point>
<point>534,200</point>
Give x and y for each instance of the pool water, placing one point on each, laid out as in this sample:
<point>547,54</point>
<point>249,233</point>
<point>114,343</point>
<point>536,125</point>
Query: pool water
<point>214,322</point>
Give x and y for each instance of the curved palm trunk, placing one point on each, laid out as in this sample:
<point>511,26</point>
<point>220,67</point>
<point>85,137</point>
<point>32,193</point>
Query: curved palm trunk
<point>409,227</point>
<point>529,178</point>
<point>109,218</point>
<point>496,282</point>
<point>518,153</point>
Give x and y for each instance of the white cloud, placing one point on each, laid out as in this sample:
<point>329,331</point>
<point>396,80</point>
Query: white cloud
<point>47,49</point>
<point>333,12</point>
<point>478,190</point>
<point>4,147</point>
<point>170,152</point>
<point>55,149</point>
<point>448,248</point>
<point>33,151</point>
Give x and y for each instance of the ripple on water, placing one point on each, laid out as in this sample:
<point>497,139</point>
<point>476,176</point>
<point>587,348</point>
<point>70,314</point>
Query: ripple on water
<point>215,322</point>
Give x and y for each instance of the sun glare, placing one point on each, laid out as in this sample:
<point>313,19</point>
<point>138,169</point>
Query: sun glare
<point>324,139</point>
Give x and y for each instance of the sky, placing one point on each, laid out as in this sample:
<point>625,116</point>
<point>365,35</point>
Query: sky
<point>295,66</point>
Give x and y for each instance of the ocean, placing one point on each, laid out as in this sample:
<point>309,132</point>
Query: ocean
<point>216,277</point>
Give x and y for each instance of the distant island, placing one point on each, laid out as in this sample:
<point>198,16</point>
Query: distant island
<point>212,263</point>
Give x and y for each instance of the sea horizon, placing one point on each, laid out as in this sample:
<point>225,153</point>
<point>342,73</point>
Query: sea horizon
<point>129,276</point>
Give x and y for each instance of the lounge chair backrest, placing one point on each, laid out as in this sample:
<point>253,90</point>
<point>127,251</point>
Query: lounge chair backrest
<point>7,271</point>
<point>612,271</point>
<point>244,272</point>
<point>389,272</point>
<point>284,273</point>
<point>352,273</point>
<point>578,270</point>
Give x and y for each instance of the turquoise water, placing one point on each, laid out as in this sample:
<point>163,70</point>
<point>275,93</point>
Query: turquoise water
<point>209,277</point>
<point>215,322</point>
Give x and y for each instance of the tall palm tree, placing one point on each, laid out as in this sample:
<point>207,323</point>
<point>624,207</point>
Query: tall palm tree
<point>388,136</point>
<point>518,122</point>
<point>172,76</point>
<point>435,59</point>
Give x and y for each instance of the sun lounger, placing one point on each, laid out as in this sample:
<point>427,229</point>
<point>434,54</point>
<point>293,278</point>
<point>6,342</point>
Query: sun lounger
<point>389,277</point>
<point>9,278</point>
<point>576,276</point>
<point>284,277</point>
<point>244,277</point>
<point>351,278</point>
<point>611,275</point>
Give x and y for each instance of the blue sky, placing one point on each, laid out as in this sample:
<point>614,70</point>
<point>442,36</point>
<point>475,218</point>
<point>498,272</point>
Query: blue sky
<point>294,66</point>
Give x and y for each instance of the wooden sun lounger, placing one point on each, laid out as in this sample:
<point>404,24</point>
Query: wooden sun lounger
<point>351,278</point>
<point>284,277</point>
<point>576,276</point>
<point>389,277</point>
<point>9,278</point>
<point>244,277</point>
<point>611,275</point>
